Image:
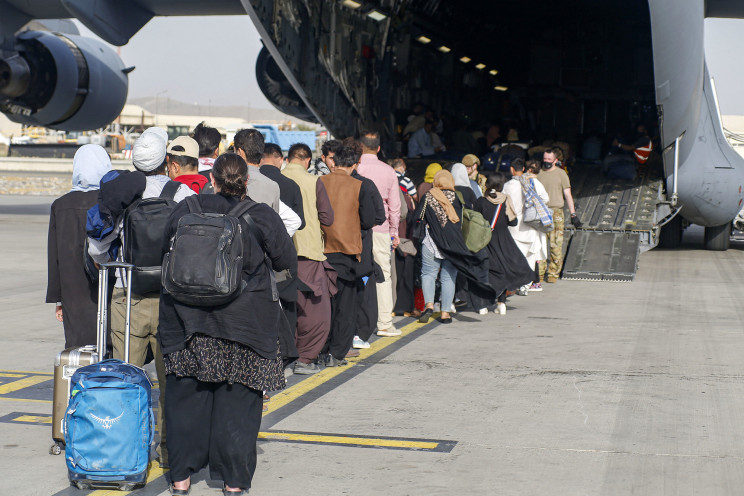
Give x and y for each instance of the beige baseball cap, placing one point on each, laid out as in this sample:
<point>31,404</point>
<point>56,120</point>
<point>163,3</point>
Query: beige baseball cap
<point>184,146</point>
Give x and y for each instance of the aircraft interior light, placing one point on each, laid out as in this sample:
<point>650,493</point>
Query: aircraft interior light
<point>444,49</point>
<point>500,88</point>
<point>351,4</point>
<point>465,60</point>
<point>480,67</point>
<point>493,72</point>
<point>376,15</point>
<point>423,39</point>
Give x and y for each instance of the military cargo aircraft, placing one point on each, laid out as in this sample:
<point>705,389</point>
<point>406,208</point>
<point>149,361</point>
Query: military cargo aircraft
<point>567,68</point>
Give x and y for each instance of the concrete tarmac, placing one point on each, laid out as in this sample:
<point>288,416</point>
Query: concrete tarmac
<point>584,389</point>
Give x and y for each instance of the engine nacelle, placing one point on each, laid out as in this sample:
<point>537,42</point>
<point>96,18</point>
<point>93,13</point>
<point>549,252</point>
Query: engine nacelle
<point>278,90</point>
<point>62,82</point>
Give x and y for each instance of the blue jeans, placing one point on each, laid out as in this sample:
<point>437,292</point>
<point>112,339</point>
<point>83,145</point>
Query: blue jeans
<point>429,269</point>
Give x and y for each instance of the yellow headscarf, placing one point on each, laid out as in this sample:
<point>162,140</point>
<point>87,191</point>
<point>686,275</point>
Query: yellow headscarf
<point>432,169</point>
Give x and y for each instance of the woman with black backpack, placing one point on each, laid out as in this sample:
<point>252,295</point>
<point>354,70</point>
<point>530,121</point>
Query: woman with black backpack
<point>219,359</point>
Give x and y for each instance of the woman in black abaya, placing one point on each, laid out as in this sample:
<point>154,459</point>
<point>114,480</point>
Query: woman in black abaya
<point>507,267</point>
<point>76,298</point>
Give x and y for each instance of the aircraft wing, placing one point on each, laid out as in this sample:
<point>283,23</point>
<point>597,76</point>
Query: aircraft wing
<point>114,21</point>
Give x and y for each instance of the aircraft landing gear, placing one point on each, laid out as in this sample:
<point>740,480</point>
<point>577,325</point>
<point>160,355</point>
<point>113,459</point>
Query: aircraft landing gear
<point>717,238</point>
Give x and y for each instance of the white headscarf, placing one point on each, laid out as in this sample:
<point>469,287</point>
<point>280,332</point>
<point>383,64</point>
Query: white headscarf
<point>460,173</point>
<point>90,164</point>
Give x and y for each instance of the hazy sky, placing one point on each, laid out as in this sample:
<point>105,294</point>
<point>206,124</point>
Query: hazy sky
<point>195,60</point>
<point>213,58</point>
<point>723,40</point>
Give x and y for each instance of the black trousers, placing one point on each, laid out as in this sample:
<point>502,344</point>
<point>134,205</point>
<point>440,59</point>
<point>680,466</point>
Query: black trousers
<point>343,319</point>
<point>367,313</point>
<point>288,338</point>
<point>404,268</point>
<point>212,423</point>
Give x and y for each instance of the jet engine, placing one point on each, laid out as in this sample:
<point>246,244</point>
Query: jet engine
<point>278,90</point>
<point>62,81</point>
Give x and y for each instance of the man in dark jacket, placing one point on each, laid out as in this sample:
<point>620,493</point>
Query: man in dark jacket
<point>271,167</point>
<point>353,212</point>
<point>290,195</point>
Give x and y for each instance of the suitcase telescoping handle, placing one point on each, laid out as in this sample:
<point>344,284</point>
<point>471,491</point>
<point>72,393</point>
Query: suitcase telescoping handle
<point>103,306</point>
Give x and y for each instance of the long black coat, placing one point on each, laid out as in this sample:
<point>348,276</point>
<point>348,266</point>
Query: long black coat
<point>507,267</point>
<point>67,281</point>
<point>449,240</point>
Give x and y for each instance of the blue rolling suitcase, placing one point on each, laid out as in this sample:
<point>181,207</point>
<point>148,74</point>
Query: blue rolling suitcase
<point>109,419</point>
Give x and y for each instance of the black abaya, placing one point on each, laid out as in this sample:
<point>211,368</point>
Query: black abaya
<point>507,267</point>
<point>450,242</point>
<point>67,282</point>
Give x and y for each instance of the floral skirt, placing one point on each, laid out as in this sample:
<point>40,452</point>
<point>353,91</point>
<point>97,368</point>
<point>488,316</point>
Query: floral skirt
<point>210,359</point>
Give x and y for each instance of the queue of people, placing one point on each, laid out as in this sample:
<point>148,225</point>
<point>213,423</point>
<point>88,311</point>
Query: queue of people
<point>331,252</point>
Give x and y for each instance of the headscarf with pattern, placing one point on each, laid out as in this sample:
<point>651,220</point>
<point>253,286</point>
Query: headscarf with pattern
<point>443,191</point>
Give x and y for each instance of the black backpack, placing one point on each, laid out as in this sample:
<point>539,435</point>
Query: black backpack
<point>207,189</point>
<point>145,221</point>
<point>204,265</point>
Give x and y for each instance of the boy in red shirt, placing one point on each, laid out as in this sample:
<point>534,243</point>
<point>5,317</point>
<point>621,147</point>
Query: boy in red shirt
<point>183,163</point>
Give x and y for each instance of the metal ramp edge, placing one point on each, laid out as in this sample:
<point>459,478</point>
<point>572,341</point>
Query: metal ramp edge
<point>602,256</point>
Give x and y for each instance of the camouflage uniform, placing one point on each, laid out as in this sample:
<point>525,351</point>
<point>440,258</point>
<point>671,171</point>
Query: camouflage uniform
<point>555,240</point>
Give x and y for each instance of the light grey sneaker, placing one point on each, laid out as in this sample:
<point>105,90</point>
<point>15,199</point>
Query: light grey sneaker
<point>305,368</point>
<point>332,361</point>
<point>359,344</point>
<point>389,332</point>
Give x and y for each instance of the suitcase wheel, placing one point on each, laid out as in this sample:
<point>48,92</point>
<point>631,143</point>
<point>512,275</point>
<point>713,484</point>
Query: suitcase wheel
<point>55,449</point>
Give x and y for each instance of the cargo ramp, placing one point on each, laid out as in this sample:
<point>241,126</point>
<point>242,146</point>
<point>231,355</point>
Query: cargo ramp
<point>621,219</point>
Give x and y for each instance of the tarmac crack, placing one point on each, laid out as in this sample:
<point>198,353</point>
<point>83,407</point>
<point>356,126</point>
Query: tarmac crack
<point>616,452</point>
<point>581,403</point>
<point>522,372</point>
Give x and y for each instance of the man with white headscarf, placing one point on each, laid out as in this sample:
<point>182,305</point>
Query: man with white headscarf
<point>149,158</point>
<point>76,298</point>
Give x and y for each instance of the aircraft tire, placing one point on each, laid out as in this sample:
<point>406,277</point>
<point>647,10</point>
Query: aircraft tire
<point>671,233</point>
<point>718,238</point>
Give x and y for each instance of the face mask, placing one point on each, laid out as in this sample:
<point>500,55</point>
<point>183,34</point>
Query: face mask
<point>547,165</point>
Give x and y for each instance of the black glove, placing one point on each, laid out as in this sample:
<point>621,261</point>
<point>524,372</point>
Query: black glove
<point>575,221</point>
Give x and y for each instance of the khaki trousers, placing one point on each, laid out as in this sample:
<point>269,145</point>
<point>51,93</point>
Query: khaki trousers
<point>143,322</point>
<point>555,242</point>
<point>381,251</point>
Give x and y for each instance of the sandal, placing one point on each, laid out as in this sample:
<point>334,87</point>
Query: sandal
<point>239,492</point>
<point>179,492</point>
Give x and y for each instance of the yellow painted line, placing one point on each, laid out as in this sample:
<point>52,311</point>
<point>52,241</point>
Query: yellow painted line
<point>356,441</point>
<point>154,473</point>
<point>3,374</point>
<point>24,400</point>
<point>23,383</point>
<point>306,385</point>
<point>25,372</point>
<point>34,419</point>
